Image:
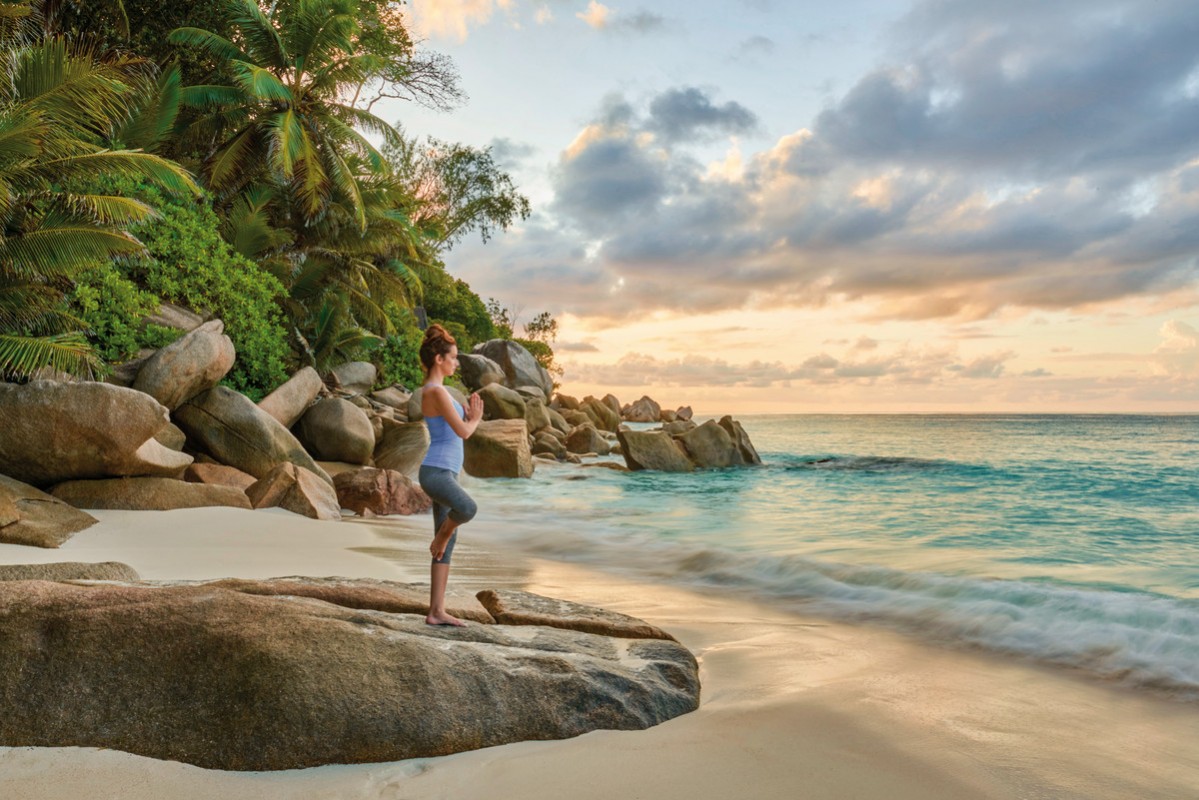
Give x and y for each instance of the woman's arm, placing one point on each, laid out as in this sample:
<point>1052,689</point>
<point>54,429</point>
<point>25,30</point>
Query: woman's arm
<point>439,398</point>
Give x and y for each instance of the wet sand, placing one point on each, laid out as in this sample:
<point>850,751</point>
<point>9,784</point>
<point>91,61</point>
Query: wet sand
<point>792,706</point>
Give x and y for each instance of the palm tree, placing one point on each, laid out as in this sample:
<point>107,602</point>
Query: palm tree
<point>279,119</point>
<point>57,103</point>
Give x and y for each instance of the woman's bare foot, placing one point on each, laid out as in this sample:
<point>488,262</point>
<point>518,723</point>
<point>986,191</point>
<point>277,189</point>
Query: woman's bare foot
<point>444,619</point>
<point>442,539</point>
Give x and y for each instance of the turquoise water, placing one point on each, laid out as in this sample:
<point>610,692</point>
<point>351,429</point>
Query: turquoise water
<point>1065,539</point>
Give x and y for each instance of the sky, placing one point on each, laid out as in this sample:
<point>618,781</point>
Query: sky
<point>758,206</point>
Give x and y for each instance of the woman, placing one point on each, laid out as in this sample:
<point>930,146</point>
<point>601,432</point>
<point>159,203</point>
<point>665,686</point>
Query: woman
<point>448,426</point>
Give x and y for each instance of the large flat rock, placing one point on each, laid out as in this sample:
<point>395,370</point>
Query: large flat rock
<point>228,680</point>
<point>69,571</point>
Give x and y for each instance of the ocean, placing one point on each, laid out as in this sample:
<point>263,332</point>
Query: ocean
<point>1065,539</point>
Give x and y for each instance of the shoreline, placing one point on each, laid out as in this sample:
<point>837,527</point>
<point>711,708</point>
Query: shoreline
<point>791,705</point>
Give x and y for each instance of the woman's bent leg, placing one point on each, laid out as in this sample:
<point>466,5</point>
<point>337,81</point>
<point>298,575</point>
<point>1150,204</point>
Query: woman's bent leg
<point>452,506</point>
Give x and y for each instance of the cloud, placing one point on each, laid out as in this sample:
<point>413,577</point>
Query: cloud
<point>1178,353</point>
<point>509,153</point>
<point>641,22</point>
<point>596,15</point>
<point>688,113</point>
<point>575,347</point>
<point>753,48</point>
<point>543,15</point>
<point>904,366</point>
<point>1043,158</point>
<point>453,18</point>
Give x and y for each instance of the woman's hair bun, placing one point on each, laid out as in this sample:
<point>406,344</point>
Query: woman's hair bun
<point>438,342</point>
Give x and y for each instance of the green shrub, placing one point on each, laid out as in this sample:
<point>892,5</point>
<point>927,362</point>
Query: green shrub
<point>111,306</point>
<point>191,265</point>
<point>451,299</point>
<point>398,359</point>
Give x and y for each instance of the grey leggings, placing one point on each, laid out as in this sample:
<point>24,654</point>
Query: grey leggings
<point>449,499</point>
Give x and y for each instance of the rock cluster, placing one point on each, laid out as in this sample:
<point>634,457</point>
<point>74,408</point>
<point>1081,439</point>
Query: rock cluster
<point>294,673</point>
<point>166,435</point>
<point>173,438</point>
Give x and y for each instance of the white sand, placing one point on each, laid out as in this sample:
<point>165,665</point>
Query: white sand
<point>792,707</point>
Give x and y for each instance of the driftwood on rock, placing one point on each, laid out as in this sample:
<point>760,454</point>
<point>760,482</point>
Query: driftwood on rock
<point>228,680</point>
<point>512,607</point>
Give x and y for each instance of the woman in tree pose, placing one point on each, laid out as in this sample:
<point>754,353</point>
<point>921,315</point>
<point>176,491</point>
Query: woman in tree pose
<point>448,426</point>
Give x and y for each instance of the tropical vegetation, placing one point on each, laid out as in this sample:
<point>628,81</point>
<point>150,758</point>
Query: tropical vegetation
<point>230,156</point>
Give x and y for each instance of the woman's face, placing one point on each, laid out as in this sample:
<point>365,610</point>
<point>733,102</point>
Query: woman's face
<point>449,361</point>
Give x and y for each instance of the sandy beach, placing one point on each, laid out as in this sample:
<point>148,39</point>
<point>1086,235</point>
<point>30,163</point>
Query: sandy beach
<point>791,706</point>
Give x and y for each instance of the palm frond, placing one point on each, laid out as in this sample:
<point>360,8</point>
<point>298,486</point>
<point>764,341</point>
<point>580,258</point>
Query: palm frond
<point>61,251</point>
<point>21,356</point>
<point>259,83</point>
<point>220,48</point>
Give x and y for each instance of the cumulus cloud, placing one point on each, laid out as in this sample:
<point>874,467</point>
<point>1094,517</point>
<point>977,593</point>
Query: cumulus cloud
<point>596,15</point>
<point>1178,353</point>
<point>689,113</point>
<point>1028,156</point>
<point>453,18</point>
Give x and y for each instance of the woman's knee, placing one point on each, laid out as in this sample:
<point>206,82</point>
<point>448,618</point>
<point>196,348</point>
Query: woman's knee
<point>464,511</point>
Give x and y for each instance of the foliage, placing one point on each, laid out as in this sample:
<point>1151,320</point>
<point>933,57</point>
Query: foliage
<point>540,334</point>
<point>399,357</point>
<point>190,264</point>
<point>502,319</point>
<point>59,102</point>
<point>461,189</point>
<point>111,307</point>
<point>450,300</point>
<point>543,328</point>
<point>406,72</point>
<point>279,117</point>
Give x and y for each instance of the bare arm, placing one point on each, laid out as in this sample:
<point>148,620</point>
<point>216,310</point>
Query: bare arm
<point>443,406</point>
